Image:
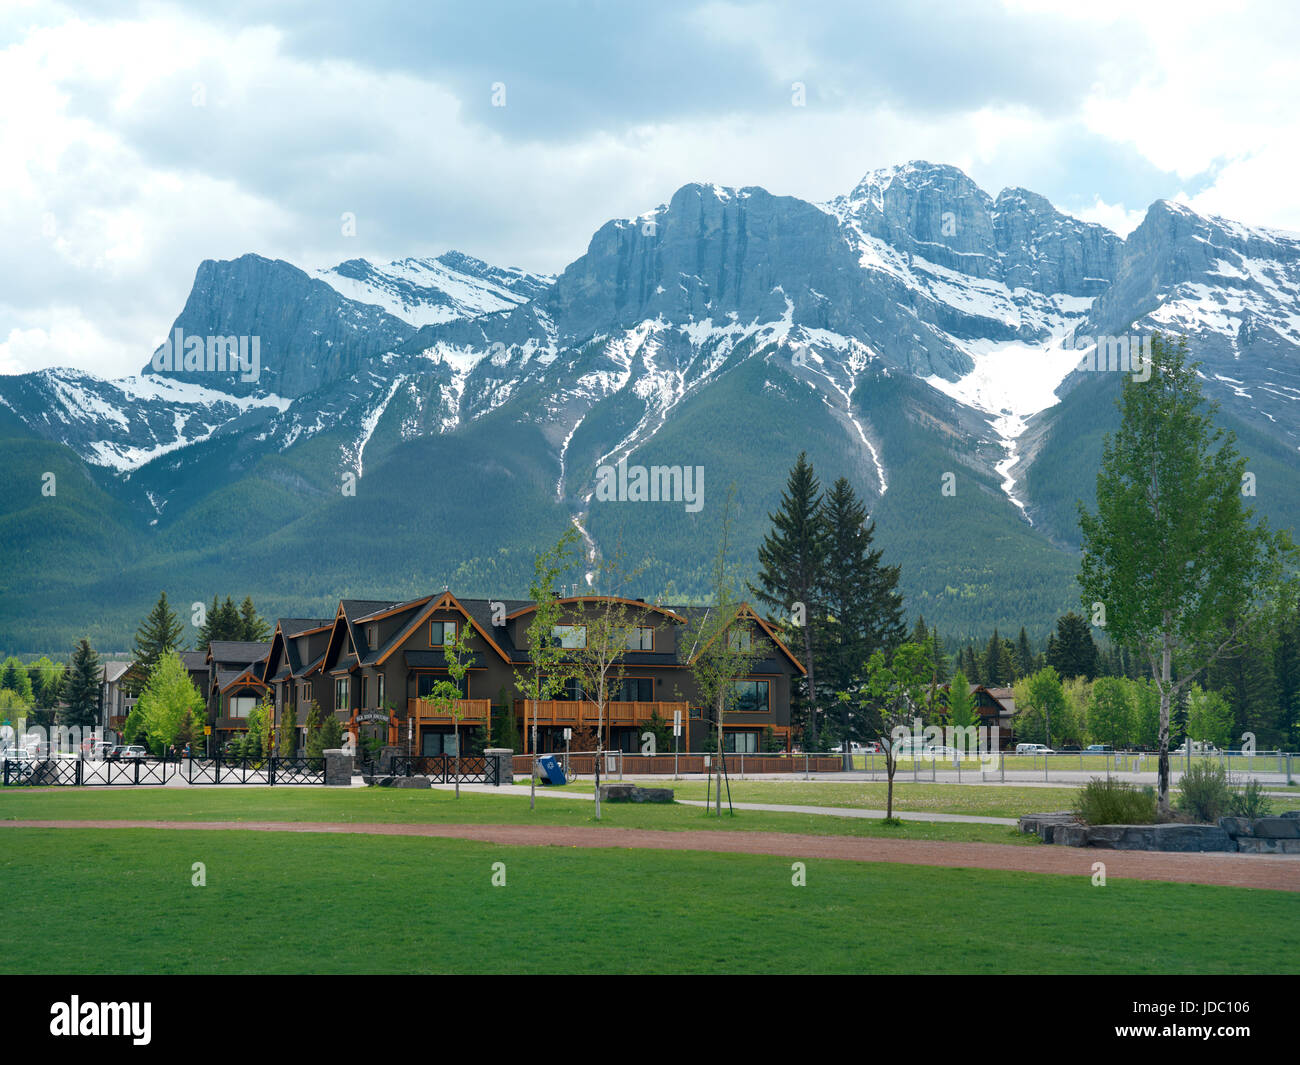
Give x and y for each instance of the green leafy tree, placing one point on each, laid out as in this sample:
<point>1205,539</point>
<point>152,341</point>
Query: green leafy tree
<point>81,689</point>
<point>445,698</point>
<point>1110,712</point>
<point>961,702</point>
<point>542,677</point>
<point>893,696</point>
<point>1040,702</point>
<point>1146,713</point>
<point>1209,717</point>
<point>167,695</point>
<point>1171,553</point>
<point>14,678</point>
<point>47,682</point>
<point>791,562</point>
<point>313,744</point>
<point>721,646</point>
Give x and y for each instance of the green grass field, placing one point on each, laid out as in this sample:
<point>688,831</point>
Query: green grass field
<point>434,807</point>
<point>355,904</point>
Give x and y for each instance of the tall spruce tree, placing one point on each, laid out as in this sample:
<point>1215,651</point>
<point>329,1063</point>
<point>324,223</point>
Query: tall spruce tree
<point>790,579</point>
<point>159,633</point>
<point>864,609</point>
<point>1024,654</point>
<point>81,687</point>
<point>1073,651</point>
<point>252,627</point>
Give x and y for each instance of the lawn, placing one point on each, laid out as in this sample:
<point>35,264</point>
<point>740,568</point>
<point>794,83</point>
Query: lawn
<point>355,904</point>
<point>442,807</point>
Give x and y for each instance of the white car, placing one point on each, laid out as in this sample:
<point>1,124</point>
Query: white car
<point>1033,748</point>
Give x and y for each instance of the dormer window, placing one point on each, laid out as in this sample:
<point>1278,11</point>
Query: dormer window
<point>441,633</point>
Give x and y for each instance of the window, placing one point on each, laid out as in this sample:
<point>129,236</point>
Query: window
<point>637,690</point>
<point>751,696</point>
<point>424,683</point>
<point>572,690</point>
<point>441,633</point>
<point>379,691</point>
<point>740,742</point>
<point>365,692</point>
<point>372,636</point>
<point>569,635</point>
<point>341,693</point>
<point>641,638</point>
<point>740,640</point>
<point>240,705</point>
<point>434,743</point>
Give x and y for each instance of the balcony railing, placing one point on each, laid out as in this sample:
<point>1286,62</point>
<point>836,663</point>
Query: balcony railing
<point>471,709</point>
<point>582,713</point>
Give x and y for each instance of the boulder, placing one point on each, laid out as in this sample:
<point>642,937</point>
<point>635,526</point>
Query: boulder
<point>633,793</point>
<point>1074,835</point>
<point>1292,813</point>
<point>1192,838</point>
<point>409,782</point>
<point>1277,828</point>
<point>1045,825</point>
<point>1252,845</point>
<point>1236,827</point>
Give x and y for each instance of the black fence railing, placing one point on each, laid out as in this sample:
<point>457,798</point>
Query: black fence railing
<point>80,772</point>
<point>444,768</point>
<point>269,771</point>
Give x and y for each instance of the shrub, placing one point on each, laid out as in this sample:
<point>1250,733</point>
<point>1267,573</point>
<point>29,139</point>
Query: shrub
<point>1250,801</point>
<point>1203,792</point>
<point>1113,802</point>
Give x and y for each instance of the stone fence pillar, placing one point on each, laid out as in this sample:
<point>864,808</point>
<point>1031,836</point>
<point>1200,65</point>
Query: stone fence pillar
<point>338,768</point>
<point>505,760</point>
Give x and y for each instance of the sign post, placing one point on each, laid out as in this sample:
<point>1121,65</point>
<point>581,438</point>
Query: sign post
<point>677,739</point>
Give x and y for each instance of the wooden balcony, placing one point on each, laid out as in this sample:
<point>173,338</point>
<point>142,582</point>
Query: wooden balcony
<point>473,711</point>
<point>574,713</point>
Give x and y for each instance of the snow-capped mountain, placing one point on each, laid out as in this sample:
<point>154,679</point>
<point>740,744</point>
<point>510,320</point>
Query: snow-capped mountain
<point>912,327</point>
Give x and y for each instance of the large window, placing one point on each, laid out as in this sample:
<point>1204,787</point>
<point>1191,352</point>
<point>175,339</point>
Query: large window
<point>637,690</point>
<point>751,697</point>
<point>572,690</point>
<point>379,691</point>
<point>240,705</point>
<point>424,683</point>
<point>441,633</point>
<point>569,635</point>
<point>740,742</point>
<point>365,692</point>
<point>640,638</point>
<point>432,743</point>
<point>341,693</point>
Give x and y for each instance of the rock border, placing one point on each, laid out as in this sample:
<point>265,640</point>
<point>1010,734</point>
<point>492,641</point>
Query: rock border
<point>1262,835</point>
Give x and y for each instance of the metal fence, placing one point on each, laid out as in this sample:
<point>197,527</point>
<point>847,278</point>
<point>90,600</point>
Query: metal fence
<point>80,772</point>
<point>270,771</point>
<point>447,768</point>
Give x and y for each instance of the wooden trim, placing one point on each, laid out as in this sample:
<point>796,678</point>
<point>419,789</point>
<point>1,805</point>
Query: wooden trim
<point>601,599</point>
<point>445,599</point>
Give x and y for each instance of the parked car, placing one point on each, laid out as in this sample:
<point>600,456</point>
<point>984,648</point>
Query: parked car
<point>128,753</point>
<point>1099,748</point>
<point>1033,748</point>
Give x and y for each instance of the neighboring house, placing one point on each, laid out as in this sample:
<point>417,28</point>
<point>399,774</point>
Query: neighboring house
<point>374,662</point>
<point>997,706</point>
<point>233,684</point>
<point>114,703</point>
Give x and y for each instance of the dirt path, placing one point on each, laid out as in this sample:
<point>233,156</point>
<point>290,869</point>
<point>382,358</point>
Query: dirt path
<point>1235,870</point>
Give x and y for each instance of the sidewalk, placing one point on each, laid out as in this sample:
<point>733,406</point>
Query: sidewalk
<point>821,811</point>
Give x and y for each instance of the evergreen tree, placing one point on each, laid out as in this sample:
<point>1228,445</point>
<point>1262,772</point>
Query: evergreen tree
<point>1073,652</point>
<point>1286,676</point>
<point>1024,655</point>
<point>790,578</point>
<point>998,667</point>
<point>961,702</point>
<point>14,678</point>
<point>864,609</point>
<point>1247,682</point>
<point>81,689</point>
<point>159,633</point>
<point>252,628</point>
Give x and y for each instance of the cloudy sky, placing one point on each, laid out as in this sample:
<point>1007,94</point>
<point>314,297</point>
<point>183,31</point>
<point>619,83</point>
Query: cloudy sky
<point>138,140</point>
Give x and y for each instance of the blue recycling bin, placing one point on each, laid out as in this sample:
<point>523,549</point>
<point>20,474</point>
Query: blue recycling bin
<point>552,771</point>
